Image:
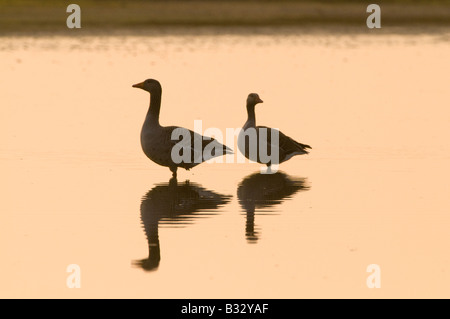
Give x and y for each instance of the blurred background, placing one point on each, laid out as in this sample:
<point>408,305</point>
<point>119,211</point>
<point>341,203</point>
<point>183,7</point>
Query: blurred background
<point>26,16</point>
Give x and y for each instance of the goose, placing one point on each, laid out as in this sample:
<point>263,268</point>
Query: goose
<point>286,146</point>
<point>157,142</point>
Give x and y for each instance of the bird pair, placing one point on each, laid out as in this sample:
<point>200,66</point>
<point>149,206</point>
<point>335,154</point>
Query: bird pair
<point>158,144</point>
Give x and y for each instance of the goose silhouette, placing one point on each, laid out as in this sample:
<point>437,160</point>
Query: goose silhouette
<point>285,146</point>
<point>157,141</point>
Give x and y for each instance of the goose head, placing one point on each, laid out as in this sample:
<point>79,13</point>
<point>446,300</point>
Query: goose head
<point>253,99</point>
<point>149,85</point>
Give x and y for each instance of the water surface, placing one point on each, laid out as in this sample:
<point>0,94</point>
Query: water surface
<point>77,188</point>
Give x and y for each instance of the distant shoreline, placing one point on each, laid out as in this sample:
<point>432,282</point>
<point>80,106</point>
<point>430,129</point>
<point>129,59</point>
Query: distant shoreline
<point>28,18</point>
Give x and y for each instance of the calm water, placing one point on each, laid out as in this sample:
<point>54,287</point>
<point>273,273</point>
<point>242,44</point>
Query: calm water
<point>77,189</point>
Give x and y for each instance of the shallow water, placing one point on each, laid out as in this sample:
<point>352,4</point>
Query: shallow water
<point>77,188</point>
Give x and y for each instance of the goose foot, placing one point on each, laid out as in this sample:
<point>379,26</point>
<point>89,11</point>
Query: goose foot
<point>173,182</point>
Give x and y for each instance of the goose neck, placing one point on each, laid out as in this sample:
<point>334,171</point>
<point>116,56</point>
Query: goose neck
<point>154,108</point>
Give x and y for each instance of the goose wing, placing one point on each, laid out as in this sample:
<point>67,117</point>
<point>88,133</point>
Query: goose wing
<point>287,146</point>
<point>201,148</point>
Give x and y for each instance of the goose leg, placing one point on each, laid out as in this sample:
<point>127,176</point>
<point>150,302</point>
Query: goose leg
<point>174,171</point>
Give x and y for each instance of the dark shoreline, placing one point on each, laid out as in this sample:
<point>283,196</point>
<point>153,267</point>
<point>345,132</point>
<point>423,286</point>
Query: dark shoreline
<point>137,17</point>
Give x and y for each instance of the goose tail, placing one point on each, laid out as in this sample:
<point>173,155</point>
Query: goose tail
<point>302,148</point>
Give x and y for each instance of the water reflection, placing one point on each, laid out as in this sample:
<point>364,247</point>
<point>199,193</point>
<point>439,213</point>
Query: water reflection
<point>259,191</point>
<point>174,204</point>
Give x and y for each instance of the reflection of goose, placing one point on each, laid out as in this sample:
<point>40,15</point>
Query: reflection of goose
<point>285,146</point>
<point>157,142</point>
<point>264,191</point>
<point>176,205</point>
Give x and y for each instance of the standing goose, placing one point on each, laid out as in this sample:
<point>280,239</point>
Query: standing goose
<point>286,146</point>
<point>157,142</point>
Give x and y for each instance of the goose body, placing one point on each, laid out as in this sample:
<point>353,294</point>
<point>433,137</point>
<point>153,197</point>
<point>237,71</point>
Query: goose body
<point>157,141</point>
<point>285,146</point>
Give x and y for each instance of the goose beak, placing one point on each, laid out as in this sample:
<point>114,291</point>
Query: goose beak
<point>139,85</point>
<point>259,101</point>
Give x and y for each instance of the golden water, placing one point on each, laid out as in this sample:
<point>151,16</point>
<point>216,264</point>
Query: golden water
<point>77,189</point>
